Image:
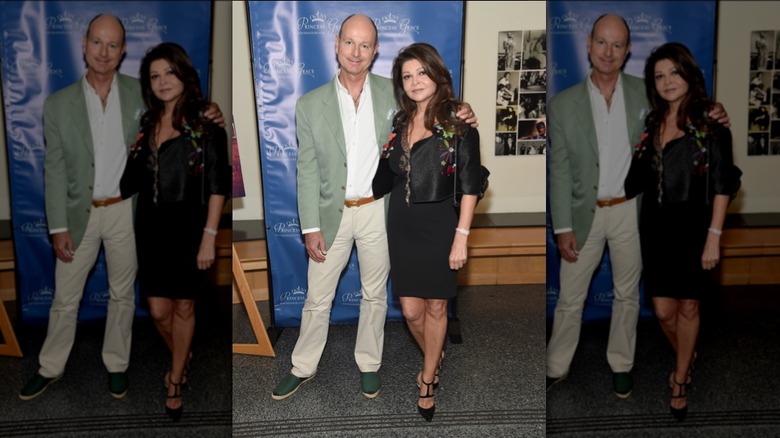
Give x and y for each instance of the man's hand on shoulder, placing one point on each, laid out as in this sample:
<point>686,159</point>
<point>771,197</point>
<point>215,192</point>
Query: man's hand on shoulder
<point>466,114</point>
<point>214,114</point>
<point>718,113</point>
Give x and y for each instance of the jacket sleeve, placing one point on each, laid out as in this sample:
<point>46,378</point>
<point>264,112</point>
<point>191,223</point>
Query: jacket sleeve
<point>469,168</point>
<point>725,177</point>
<point>55,172</point>
<point>217,168</point>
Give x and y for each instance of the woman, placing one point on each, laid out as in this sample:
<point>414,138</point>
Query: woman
<point>428,150</point>
<point>179,168</point>
<point>684,167</point>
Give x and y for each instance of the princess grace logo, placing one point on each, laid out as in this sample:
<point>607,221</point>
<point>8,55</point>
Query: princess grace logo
<point>43,295</point>
<point>603,298</point>
<point>352,298</point>
<point>23,151</point>
<point>287,68</point>
<point>98,298</point>
<point>568,23</point>
<point>317,24</point>
<point>65,23</point>
<point>34,66</point>
<point>395,24</point>
<point>296,296</point>
<point>555,71</point>
<point>140,23</point>
<point>644,23</point>
<point>288,228</point>
<point>34,227</point>
<point>279,152</point>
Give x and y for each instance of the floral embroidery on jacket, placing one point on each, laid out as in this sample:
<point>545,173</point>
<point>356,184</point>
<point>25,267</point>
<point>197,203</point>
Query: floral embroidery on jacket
<point>446,150</point>
<point>700,162</point>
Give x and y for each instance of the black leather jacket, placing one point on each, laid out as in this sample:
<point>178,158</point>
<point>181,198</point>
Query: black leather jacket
<point>432,172</point>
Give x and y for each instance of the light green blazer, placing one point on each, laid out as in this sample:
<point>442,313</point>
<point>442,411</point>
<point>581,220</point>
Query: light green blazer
<point>574,152</point>
<point>322,152</point>
<point>69,166</point>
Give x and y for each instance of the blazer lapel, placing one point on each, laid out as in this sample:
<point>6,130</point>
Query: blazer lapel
<point>332,115</point>
<point>80,118</point>
<point>584,115</point>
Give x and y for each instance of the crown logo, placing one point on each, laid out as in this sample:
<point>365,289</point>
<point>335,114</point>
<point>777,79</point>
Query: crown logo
<point>65,17</point>
<point>570,16</point>
<point>293,223</point>
<point>138,18</point>
<point>390,18</point>
<point>298,290</point>
<point>642,18</point>
<point>318,17</point>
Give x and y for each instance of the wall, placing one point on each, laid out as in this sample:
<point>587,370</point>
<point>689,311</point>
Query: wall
<point>736,20</point>
<point>517,184</point>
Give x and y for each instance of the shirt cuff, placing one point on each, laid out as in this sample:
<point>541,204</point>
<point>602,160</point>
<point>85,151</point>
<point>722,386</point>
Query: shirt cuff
<point>57,230</point>
<point>310,230</point>
<point>562,230</point>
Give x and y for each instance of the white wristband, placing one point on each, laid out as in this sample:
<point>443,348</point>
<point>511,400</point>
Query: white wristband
<point>463,231</point>
<point>715,231</point>
<point>211,231</point>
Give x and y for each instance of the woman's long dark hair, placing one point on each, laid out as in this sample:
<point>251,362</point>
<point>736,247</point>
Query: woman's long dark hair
<point>695,105</point>
<point>443,104</point>
<point>190,105</point>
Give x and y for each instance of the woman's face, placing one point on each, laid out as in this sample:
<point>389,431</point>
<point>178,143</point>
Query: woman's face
<point>165,85</point>
<point>668,82</point>
<point>417,84</point>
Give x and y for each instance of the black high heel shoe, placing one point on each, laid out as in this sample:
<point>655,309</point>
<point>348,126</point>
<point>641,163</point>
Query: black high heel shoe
<point>426,413</point>
<point>436,378</point>
<point>679,413</point>
<point>175,414</point>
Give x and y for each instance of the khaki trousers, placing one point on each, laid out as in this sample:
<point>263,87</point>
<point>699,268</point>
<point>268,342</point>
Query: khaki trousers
<point>618,227</point>
<point>363,226</point>
<point>113,227</point>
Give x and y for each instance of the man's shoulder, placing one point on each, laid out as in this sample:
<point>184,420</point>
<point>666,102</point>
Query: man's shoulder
<point>633,81</point>
<point>64,94</point>
<point>318,93</point>
<point>567,94</point>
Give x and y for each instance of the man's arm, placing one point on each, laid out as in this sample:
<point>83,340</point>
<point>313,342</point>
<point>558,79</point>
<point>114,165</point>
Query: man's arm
<point>561,187</point>
<point>56,188</point>
<point>308,177</point>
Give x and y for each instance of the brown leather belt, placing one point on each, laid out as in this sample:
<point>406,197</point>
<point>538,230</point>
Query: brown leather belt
<point>610,202</point>
<point>106,202</point>
<point>359,202</point>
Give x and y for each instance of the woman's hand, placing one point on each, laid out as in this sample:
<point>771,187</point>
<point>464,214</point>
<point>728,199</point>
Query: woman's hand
<point>711,254</point>
<point>459,251</point>
<point>206,253</point>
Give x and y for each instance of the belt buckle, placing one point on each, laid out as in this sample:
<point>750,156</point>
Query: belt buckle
<point>100,202</point>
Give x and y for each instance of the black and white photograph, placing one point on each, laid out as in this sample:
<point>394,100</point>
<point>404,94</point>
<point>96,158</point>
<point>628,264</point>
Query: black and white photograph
<point>509,50</point>
<point>758,144</point>
<point>532,129</point>
<point>506,119</point>
<point>774,133</point>
<point>534,49</point>
<point>533,81</point>
<point>531,147</point>
<point>762,49</point>
<point>759,88</point>
<point>774,148</point>
<point>506,143</point>
<point>758,119</point>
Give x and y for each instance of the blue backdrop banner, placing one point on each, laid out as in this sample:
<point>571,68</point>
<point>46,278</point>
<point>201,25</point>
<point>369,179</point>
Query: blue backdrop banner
<point>651,23</point>
<point>293,52</point>
<point>41,52</point>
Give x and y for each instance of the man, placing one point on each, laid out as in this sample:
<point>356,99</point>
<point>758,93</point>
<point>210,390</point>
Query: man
<point>341,127</point>
<point>88,127</point>
<point>593,126</point>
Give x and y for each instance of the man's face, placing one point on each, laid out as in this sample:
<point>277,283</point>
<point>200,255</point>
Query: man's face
<point>356,46</point>
<point>608,47</point>
<point>103,45</point>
